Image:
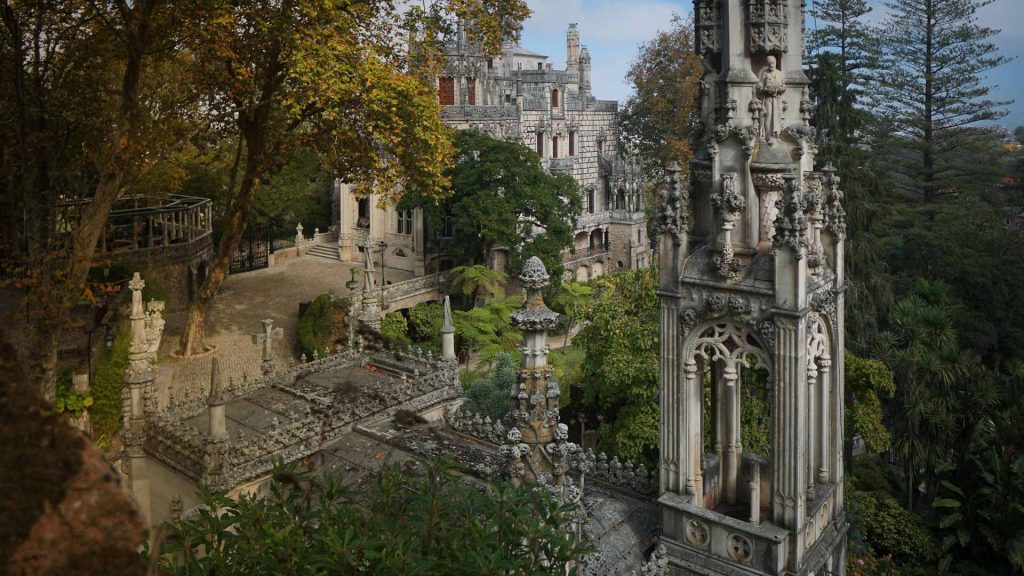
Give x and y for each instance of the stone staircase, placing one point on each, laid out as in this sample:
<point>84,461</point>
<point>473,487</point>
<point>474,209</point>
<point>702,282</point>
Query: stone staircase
<point>328,251</point>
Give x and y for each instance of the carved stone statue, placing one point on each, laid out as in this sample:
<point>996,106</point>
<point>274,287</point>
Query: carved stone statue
<point>770,86</point>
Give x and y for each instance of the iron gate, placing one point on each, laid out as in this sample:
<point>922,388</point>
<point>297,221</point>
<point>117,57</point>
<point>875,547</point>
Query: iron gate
<point>253,250</point>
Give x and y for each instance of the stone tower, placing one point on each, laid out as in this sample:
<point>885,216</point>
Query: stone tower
<point>751,290</point>
<point>572,49</point>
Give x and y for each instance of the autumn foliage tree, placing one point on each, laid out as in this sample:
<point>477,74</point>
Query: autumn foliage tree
<point>329,74</point>
<point>658,118</point>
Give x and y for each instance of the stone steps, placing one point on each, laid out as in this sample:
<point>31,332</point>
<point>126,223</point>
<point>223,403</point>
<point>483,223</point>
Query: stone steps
<point>328,251</point>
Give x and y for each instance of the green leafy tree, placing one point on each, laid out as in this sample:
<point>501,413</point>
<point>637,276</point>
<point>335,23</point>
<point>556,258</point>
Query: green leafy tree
<point>658,118</point>
<point>932,92</point>
<point>619,375</point>
<point>430,522</point>
<point>503,198</point>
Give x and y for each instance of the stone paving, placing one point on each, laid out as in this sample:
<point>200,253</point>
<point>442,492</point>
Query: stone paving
<point>244,301</point>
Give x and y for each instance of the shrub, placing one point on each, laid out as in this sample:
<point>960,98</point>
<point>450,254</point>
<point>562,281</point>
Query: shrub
<point>425,520</point>
<point>395,328</point>
<point>68,399</point>
<point>425,321</point>
<point>489,396</point>
<point>323,324</point>
<point>108,382</point>
<point>889,529</point>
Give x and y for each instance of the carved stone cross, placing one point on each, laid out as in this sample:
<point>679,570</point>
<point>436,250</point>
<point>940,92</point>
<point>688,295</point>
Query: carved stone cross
<point>267,339</point>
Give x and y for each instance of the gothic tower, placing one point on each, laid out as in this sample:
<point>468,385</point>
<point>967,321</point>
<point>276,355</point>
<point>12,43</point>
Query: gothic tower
<point>572,49</point>
<point>751,290</point>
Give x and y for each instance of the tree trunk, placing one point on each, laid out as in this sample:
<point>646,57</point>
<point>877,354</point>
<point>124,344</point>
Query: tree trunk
<point>253,131</point>
<point>59,292</point>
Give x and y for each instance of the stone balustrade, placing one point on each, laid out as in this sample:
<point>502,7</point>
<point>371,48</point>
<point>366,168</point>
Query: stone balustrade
<point>613,472</point>
<point>318,237</point>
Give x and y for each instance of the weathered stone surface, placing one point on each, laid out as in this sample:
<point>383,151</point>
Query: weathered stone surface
<point>63,510</point>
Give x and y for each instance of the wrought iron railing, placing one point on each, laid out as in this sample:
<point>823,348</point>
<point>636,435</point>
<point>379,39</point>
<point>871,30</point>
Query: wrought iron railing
<point>141,222</point>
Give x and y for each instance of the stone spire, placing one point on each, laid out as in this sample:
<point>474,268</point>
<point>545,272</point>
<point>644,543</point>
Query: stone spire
<point>371,301</point>
<point>215,403</point>
<point>138,398</point>
<point>537,443</point>
<point>447,331</point>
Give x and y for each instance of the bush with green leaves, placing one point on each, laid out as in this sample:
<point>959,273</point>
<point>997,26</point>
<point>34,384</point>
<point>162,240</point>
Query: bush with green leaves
<point>489,395</point>
<point>889,529</point>
<point>323,324</point>
<point>425,520</point>
<point>108,382</point>
<point>68,399</point>
<point>425,321</point>
<point>395,328</point>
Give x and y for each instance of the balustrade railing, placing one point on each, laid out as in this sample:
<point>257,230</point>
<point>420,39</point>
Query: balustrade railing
<point>140,222</point>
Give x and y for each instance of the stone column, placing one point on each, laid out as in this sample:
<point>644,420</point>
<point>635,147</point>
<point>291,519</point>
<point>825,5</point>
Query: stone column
<point>693,390</point>
<point>755,493</point>
<point>448,332</point>
<point>733,445</point>
<point>138,397</point>
<point>824,394</point>
<point>812,427</point>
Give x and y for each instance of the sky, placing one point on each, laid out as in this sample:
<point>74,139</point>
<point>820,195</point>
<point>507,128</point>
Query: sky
<point>613,29</point>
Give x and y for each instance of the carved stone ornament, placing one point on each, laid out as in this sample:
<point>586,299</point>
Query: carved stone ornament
<point>697,533</point>
<point>727,200</point>
<point>708,26</point>
<point>791,224</point>
<point>766,26</point>
<point>739,548</point>
<point>673,212</point>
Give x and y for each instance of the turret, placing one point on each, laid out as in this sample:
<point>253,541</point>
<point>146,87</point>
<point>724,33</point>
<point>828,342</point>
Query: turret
<point>572,50</point>
<point>585,74</point>
<point>139,379</point>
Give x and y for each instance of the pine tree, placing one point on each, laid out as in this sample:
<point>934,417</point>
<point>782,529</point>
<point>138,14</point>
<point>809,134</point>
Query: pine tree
<point>933,94</point>
<point>839,28</point>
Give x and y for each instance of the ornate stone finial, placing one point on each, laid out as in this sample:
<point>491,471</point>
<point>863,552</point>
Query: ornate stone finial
<point>176,507</point>
<point>534,315</point>
<point>216,397</point>
<point>534,276</point>
<point>136,284</point>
